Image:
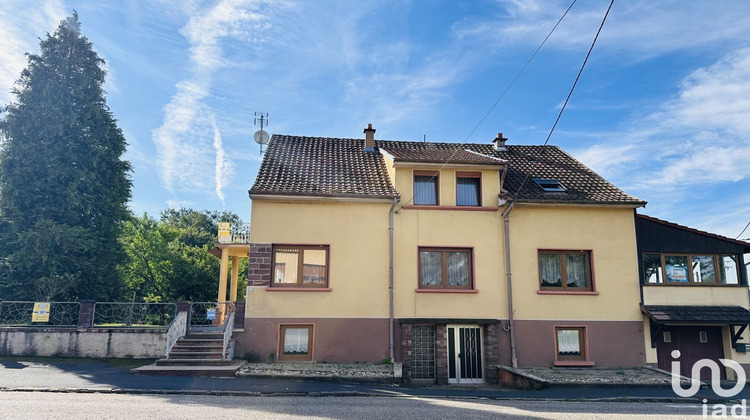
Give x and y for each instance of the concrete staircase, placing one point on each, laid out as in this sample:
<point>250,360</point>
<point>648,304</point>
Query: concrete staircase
<point>196,354</point>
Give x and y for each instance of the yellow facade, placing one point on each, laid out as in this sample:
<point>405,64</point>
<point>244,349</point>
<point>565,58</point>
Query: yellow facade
<point>608,232</point>
<point>357,234</point>
<point>695,295</point>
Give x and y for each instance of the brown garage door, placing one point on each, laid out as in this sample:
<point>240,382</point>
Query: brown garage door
<point>694,343</point>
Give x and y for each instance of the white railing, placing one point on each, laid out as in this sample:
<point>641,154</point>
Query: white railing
<point>177,329</point>
<point>238,234</point>
<point>228,331</point>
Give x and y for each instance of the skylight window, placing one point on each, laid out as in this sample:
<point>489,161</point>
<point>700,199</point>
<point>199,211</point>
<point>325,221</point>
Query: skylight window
<point>549,185</point>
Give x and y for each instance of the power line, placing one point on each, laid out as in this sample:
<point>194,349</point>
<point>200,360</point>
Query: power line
<point>565,104</point>
<point>743,230</point>
<point>512,82</point>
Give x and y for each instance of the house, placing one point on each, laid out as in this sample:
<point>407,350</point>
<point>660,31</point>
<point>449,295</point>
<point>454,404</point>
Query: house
<point>694,296</point>
<point>450,258</point>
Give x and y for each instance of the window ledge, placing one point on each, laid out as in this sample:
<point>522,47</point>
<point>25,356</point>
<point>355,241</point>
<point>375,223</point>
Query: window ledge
<point>574,363</point>
<point>563,292</point>
<point>298,289</point>
<point>446,291</point>
<point>454,208</point>
<point>686,284</point>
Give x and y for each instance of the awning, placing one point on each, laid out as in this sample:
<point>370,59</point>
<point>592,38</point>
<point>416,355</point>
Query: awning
<point>661,315</point>
<point>697,315</point>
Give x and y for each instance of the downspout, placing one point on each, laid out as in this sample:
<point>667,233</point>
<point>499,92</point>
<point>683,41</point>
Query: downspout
<point>391,337</point>
<point>513,358</point>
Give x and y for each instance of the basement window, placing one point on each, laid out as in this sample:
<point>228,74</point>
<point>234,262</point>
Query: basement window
<point>549,184</point>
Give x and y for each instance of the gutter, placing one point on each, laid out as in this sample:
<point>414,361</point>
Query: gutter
<point>391,337</point>
<point>511,328</point>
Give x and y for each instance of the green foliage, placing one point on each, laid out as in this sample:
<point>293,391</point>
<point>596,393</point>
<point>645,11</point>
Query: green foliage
<point>63,184</point>
<point>169,259</point>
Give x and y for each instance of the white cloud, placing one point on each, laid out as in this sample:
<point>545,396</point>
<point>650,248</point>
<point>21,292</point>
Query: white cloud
<point>189,131</point>
<point>224,168</point>
<point>22,23</point>
<point>640,28</point>
<point>690,158</point>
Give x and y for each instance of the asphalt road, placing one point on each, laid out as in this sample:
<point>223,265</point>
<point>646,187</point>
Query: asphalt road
<point>46,405</point>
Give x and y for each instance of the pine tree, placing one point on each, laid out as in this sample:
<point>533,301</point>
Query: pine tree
<point>63,184</point>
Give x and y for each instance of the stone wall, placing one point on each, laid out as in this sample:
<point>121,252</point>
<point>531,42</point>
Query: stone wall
<point>62,342</point>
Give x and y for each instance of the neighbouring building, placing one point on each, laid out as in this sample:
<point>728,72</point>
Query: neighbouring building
<point>450,258</point>
<point>694,296</point>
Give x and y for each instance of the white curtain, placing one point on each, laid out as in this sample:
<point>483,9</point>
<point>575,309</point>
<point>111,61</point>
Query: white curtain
<point>575,268</point>
<point>296,340</point>
<point>458,269</point>
<point>430,268</point>
<point>568,342</point>
<point>550,269</point>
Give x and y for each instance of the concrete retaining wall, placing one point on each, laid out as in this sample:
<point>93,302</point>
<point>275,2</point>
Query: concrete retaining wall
<point>111,343</point>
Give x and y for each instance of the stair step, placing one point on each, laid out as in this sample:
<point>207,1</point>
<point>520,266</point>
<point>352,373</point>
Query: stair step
<point>197,355</point>
<point>178,348</point>
<point>205,336</point>
<point>186,370</point>
<point>193,362</point>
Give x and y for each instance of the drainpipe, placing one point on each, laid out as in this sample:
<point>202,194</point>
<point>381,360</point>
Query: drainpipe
<point>391,337</point>
<point>513,358</point>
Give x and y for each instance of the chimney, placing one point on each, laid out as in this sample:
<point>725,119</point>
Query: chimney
<point>369,138</point>
<point>499,143</point>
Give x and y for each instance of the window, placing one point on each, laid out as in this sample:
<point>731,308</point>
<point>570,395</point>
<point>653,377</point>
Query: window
<point>689,269</point>
<point>426,188</point>
<point>445,268</point>
<point>549,185</point>
<point>295,342</point>
<point>667,336</point>
<point>300,266</point>
<point>565,270</point>
<point>702,337</point>
<point>570,345</point>
<point>468,188</point>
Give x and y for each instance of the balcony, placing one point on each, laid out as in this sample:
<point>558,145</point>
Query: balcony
<point>238,234</point>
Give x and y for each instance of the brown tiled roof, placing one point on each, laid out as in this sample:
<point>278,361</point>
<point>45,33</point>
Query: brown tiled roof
<point>729,315</point>
<point>582,185</point>
<point>340,167</point>
<point>295,165</point>
<point>409,151</point>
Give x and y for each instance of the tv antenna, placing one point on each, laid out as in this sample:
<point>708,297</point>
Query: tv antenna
<point>260,136</point>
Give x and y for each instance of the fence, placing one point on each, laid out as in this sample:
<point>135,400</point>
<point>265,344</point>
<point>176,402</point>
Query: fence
<point>206,314</point>
<point>116,314</point>
<point>19,314</point>
<point>88,314</point>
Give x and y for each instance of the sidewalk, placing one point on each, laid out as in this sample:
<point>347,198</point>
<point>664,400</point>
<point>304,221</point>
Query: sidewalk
<point>113,376</point>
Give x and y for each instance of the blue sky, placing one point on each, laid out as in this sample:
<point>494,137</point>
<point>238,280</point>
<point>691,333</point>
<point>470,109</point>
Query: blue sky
<point>662,109</point>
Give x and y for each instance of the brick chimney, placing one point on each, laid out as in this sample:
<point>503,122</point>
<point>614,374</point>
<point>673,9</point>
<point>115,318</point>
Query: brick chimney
<point>369,138</point>
<point>499,143</point>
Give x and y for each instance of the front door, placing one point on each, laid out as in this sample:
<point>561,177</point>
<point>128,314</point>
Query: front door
<point>465,354</point>
<point>694,343</point>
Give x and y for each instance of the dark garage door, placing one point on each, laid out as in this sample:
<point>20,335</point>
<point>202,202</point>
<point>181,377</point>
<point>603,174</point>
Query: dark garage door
<point>694,343</point>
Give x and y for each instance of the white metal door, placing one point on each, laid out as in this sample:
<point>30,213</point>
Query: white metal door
<point>465,354</point>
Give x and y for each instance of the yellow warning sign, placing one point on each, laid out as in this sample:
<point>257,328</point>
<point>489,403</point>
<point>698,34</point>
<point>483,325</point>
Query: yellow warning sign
<point>41,312</point>
<point>224,231</point>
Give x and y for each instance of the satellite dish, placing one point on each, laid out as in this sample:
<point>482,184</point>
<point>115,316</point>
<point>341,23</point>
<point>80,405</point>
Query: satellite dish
<point>261,137</point>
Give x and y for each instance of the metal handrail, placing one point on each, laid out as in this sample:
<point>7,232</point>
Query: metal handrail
<point>228,331</point>
<point>177,329</point>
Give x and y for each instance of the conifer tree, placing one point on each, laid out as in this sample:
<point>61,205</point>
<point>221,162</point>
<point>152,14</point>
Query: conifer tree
<point>64,186</point>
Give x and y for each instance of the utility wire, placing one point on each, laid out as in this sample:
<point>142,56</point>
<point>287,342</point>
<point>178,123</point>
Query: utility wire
<point>565,104</point>
<point>743,230</point>
<point>512,82</point>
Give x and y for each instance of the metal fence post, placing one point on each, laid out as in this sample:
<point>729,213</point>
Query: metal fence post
<point>86,314</point>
